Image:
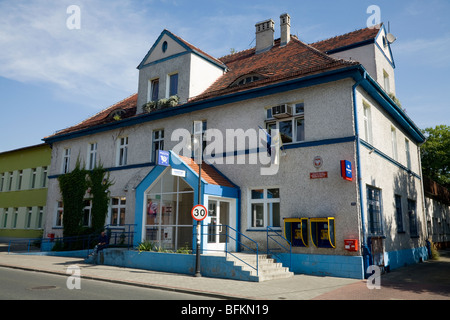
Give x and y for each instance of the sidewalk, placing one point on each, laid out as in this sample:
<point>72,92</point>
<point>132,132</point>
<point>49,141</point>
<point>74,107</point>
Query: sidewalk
<point>425,281</point>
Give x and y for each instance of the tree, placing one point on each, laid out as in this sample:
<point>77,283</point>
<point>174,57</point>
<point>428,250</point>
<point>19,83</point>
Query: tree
<point>73,186</point>
<point>99,184</point>
<point>435,154</point>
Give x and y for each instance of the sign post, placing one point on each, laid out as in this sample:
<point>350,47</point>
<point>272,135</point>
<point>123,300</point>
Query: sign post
<point>199,213</point>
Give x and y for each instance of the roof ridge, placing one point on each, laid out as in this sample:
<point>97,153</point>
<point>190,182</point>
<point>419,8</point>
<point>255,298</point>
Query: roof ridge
<point>378,26</point>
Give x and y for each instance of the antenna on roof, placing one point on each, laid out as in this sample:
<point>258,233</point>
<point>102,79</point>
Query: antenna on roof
<point>390,37</point>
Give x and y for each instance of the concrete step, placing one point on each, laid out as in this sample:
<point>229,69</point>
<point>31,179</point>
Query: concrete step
<point>268,269</point>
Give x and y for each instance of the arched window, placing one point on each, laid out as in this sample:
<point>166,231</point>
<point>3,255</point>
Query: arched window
<point>246,79</point>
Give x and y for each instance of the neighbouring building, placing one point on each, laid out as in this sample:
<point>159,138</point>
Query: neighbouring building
<point>23,191</point>
<point>437,204</point>
<point>345,188</point>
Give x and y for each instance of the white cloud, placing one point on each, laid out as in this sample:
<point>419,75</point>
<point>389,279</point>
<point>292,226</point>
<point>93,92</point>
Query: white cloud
<point>103,54</point>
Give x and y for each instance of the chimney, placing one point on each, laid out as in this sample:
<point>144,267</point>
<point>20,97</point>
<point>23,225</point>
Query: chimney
<point>264,35</point>
<point>285,27</point>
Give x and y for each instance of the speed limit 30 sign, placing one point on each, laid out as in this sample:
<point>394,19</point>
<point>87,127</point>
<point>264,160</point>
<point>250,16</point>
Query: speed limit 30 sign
<point>199,212</point>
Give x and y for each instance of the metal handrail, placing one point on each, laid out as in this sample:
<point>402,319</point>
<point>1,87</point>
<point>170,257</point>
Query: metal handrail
<point>227,237</point>
<point>85,241</point>
<point>276,234</point>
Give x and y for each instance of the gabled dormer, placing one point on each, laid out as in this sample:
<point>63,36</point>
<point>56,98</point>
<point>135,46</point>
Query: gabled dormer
<point>371,47</point>
<point>173,66</point>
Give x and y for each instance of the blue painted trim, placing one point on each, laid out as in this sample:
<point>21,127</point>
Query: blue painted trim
<point>131,166</point>
<point>388,158</point>
<point>355,72</point>
<point>373,88</point>
<point>181,43</point>
<point>164,59</point>
<point>191,178</point>
<point>289,85</point>
<point>351,46</point>
<point>389,46</point>
<point>316,143</point>
<point>139,202</point>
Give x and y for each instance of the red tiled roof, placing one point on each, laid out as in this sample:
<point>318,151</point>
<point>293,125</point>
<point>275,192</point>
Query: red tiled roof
<point>294,60</point>
<point>347,39</point>
<point>128,106</point>
<point>209,174</point>
<point>201,52</point>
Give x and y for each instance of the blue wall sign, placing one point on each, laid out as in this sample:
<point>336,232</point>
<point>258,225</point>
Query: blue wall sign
<point>163,158</point>
<point>346,170</point>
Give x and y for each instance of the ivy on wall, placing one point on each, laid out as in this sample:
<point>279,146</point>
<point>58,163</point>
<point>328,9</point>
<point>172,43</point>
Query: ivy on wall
<point>73,186</point>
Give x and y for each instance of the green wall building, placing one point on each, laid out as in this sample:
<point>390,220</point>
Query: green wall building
<point>23,191</point>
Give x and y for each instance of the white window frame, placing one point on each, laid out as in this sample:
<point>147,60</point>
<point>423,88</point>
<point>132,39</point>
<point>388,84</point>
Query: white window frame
<point>367,118</point>
<point>92,155</point>
<point>157,141</point>
<point>394,143</point>
<point>267,216</point>
<point>89,208</point>
<point>151,83</point>
<point>40,217</point>
<point>122,151</point>
<point>59,222</point>
<point>168,83</point>
<point>122,204</point>
<point>295,116</point>
<point>66,161</point>
<point>408,154</point>
<point>386,82</point>
<point>44,176</point>
<point>10,181</point>
<point>29,217</point>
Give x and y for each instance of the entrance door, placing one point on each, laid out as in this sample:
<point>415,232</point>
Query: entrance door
<point>218,221</point>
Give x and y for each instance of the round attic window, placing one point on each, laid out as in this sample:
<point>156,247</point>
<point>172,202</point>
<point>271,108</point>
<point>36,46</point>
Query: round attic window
<point>164,46</point>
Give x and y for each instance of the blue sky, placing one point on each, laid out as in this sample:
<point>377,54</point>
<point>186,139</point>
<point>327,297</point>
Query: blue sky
<point>52,77</point>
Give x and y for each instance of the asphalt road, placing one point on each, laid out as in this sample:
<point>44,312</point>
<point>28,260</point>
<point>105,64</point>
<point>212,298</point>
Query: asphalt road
<point>29,285</point>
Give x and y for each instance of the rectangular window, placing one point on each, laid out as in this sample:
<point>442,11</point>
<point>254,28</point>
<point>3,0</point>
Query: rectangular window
<point>40,217</point>
<point>374,213</point>
<point>10,181</point>
<point>44,176</point>
<point>16,216</point>
<point>153,92</point>
<point>399,213</point>
<point>264,208</point>
<point>19,180</point>
<point>367,124</point>
<point>173,84</point>
<point>92,155</point>
<point>2,179</point>
<point>394,143</point>
<point>118,207</point>
<point>291,129</point>
<point>408,155</point>
<point>157,143</point>
<point>66,161</point>
<point>412,214</point>
<point>29,216</point>
<point>5,218</point>
<point>122,151</point>
<point>59,214</point>
<point>387,85</point>
<point>86,222</point>
<point>33,178</point>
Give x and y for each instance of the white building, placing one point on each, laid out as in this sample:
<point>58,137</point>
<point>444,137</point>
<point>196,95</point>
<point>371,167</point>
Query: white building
<point>332,101</point>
